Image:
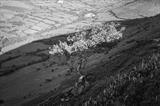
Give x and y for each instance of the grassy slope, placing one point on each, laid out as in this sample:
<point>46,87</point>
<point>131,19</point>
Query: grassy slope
<point>141,40</point>
<point>103,62</point>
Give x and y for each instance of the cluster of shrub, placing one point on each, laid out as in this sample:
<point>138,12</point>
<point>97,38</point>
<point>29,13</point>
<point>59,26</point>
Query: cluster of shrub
<point>137,87</point>
<point>83,40</point>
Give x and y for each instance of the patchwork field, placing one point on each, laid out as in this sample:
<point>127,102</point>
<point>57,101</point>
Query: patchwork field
<point>23,21</point>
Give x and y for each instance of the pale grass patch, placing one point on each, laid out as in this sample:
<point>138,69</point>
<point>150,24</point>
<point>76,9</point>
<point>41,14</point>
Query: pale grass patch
<point>98,34</point>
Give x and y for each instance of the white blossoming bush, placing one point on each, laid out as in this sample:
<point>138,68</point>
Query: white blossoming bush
<point>80,42</point>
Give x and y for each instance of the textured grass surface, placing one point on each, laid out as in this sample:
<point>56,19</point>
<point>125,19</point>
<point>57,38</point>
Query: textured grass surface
<point>49,82</point>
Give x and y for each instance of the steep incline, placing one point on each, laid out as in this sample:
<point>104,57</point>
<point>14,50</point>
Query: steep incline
<point>128,74</point>
<point>29,72</point>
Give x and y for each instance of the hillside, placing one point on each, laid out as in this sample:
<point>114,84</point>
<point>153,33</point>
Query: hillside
<point>115,73</point>
<point>122,73</point>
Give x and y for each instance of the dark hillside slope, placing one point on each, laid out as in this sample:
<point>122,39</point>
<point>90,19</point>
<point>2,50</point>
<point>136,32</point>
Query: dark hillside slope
<point>127,74</point>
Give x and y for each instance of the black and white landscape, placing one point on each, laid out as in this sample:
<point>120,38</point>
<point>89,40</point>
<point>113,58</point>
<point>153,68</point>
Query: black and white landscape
<point>122,70</point>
